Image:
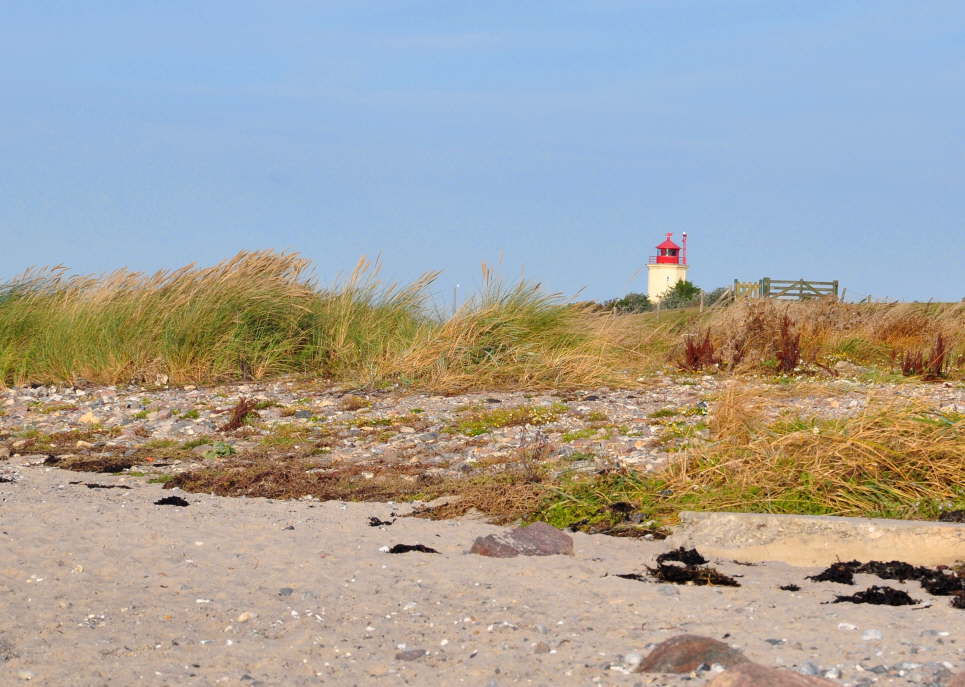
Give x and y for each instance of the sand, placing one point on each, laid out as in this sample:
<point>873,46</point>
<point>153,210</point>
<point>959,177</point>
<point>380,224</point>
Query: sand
<point>102,587</point>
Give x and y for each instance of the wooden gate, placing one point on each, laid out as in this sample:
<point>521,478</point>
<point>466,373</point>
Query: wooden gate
<point>798,290</point>
<point>746,289</point>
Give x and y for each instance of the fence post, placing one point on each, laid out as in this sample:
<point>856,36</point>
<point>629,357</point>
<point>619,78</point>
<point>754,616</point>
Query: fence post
<point>835,289</point>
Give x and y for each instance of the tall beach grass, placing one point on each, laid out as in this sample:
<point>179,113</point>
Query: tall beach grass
<point>262,314</point>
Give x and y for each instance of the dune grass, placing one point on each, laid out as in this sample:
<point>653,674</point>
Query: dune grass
<point>890,461</point>
<point>260,315</point>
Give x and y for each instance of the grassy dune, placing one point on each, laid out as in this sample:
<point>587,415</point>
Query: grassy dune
<point>260,315</point>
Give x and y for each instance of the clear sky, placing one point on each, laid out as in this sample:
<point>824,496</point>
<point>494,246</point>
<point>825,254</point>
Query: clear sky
<point>823,139</point>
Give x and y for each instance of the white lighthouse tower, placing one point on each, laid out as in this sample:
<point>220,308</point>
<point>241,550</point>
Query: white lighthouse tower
<point>666,268</point>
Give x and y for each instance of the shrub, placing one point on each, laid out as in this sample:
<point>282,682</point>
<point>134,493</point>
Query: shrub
<point>631,303</point>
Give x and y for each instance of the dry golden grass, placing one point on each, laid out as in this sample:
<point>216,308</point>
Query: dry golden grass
<point>737,414</point>
<point>872,333</point>
<point>897,460</point>
<point>260,315</point>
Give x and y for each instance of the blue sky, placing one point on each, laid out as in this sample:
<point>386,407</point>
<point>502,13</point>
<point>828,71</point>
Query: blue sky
<point>558,139</point>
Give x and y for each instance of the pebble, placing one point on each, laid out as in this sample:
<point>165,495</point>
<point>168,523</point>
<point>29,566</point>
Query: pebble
<point>871,635</point>
<point>148,414</point>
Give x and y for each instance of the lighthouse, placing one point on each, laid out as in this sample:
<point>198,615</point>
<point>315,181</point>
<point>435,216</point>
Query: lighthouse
<point>666,268</point>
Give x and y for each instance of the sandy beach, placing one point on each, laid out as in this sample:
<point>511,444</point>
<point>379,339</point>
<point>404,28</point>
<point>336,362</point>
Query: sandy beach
<point>99,586</point>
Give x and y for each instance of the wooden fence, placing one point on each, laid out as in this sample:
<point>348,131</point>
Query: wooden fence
<point>785,289</point>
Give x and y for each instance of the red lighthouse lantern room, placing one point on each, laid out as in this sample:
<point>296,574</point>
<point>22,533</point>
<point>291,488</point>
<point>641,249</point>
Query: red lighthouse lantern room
<point>669,253</point>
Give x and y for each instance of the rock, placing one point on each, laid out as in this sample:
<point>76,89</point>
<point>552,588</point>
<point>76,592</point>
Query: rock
<point>410,654</point>
<point>538,539</point>
<point>4,452</point>
<point>685,653</point>
<point>754,675</point>
<point>958,680</point>
<point>541,648</point>
<point>632,660</point>
<point>849,369</point>
<point>302,414</point>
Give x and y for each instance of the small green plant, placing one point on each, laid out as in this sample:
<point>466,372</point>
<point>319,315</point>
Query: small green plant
<point>161,443</point>
<point>160,479</point>
<point>286,436</point>
<point>193,443</point>
<point>482,422</point>
<point>192,414</point>
<point>664,412</point>
<point>56,408</point>
<point>220,449</point>
<point>585,433</point>
<point>140,415</point>
<point>578,456</point>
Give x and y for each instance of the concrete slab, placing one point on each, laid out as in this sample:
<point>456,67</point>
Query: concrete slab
<point>817,540</point>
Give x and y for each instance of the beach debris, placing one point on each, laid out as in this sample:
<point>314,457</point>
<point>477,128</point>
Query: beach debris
<point>537,539</point>
<point>940,581</point>
<point>406,548</point>
<point>886,596</point>
<point>410,654</point>
<point>241,413</point>
<point>687,653</point>
<point>692,574</point>
<point>692,570</point>
<point>682,555</point>
<point>78,463</point>
<point>376,522</point>
<point>789,588</point>
<point>95,485</point>
<point>171,501</point>
<point>840,572</point>
<point>632,576</point>
<point>952,516</point>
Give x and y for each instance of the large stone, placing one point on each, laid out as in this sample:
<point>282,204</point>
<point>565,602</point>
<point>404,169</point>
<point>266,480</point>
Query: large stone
<point>806,540</point>
<point>754,675</point>
<point>686,653</point>
<point>538,539</point>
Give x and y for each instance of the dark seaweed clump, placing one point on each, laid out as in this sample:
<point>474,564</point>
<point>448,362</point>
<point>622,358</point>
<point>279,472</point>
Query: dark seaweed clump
<point>692,574</point>
<point>885,596</point>
<point>936,581</point>
<point>682,555</point>
<point>840,572</point>
<point>406,548</point>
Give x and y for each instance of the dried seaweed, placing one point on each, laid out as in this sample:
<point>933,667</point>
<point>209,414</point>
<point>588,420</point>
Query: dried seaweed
<point>692,574</point>
<point>406,548</point>
<point>885,596</point>
<point>682,555</point>
<point>840,572</point>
